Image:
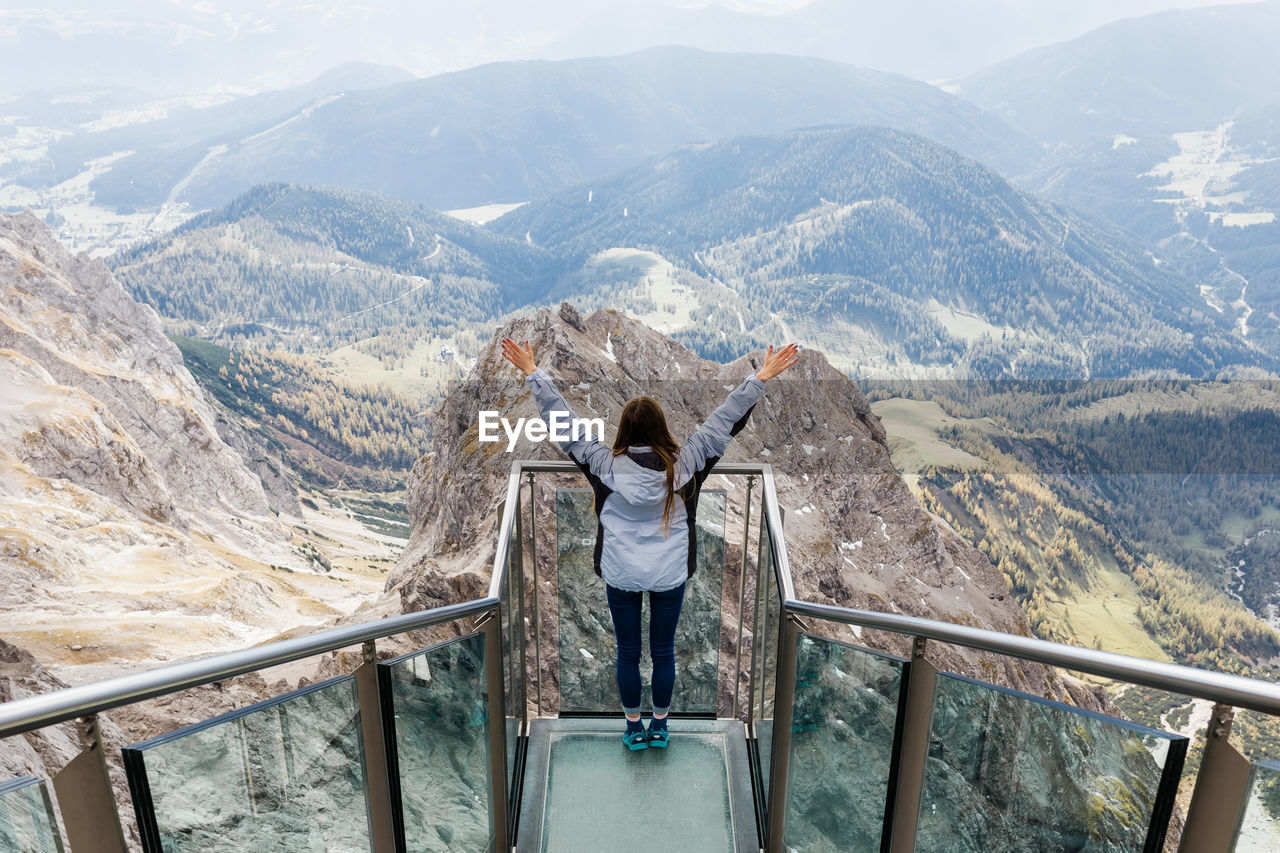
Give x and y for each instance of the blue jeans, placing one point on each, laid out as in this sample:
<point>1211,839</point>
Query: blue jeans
<point>664,613</point>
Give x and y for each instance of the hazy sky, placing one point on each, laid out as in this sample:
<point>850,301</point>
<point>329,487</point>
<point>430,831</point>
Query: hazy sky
<point>172,46</point>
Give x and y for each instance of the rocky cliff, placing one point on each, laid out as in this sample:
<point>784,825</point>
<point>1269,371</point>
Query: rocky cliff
<point>131,531</point>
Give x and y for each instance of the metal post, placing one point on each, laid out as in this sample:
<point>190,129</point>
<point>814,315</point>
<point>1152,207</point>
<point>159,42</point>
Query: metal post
<point>492,628</point>
<point>758,615</point>
<point>513,592</point>
<point>1220,790</point>
<point>85,797</point>
<point>742,593</point>
<point>381,818</point>
<point>515,574</point>
<point>760,621</point>
<point>537,606</point>
<point>780,761</point>
<point>905,802</point>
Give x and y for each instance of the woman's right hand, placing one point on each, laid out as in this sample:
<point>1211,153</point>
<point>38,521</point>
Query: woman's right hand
<point>521,357</point>
<point>776,362</point>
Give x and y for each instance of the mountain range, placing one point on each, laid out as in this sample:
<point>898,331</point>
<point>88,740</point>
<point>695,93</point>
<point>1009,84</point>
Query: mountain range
<point>237,44</point>
<point>504,132</point>
<point>1184,69</point>
<point>854,231</point>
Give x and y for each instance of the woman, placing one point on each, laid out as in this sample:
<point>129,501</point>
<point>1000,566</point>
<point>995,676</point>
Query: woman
<point>644,535</point>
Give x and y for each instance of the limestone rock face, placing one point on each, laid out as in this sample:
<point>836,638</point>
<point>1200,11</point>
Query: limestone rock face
<point>132,531</point>
<point>68,315</point>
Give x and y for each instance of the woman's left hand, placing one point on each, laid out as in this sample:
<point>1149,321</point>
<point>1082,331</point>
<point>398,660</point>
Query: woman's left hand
<point>521,357</point>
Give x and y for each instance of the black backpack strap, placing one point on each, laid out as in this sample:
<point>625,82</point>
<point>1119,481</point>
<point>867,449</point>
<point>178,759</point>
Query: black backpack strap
<point>600,492</point>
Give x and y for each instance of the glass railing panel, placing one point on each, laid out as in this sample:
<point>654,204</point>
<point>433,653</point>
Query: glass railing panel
<point>588,653</point>
<point>284,774</point>
<point>512,616</point>
<point>1008,772</point>
<point>844,736</point>
<point>437,727</point>
<point>1258,830</point>
<point>701,624</point>
<point>765,653</point>
<point>27,823</point>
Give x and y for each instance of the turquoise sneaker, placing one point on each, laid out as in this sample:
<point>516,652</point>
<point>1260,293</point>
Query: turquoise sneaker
<point>658,737</point>
<point>636,740</point>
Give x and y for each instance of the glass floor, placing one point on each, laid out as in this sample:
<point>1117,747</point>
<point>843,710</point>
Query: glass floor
<point>584,790</point>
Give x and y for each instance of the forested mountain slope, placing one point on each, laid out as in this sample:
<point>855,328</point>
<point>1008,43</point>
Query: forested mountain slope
<point>898,255</point>
<point>1141,517</point>
<point>316,269</point>
<point>876,235</point>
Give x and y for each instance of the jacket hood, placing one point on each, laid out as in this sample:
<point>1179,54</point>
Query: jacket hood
<point>639,477</point>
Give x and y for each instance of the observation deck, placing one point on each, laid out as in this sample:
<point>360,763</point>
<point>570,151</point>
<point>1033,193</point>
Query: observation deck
<point>501,730</point>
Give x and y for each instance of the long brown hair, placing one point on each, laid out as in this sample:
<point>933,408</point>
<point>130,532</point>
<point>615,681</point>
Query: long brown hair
<point>643,423</point>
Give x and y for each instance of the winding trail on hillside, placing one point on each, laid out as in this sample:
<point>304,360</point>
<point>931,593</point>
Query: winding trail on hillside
<point>710,275</point>
<point>410,291</point>
<point>170,203</point>
<point>436,250</point>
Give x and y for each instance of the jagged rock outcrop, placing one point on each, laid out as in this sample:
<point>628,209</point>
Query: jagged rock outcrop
<point>68,315</point>
<point>132,531</point>
<point>856,535</point>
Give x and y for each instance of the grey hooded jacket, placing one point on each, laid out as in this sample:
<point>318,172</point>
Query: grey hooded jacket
<point>631,552</point>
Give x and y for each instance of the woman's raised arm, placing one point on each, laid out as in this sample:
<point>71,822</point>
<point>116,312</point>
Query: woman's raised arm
<point>710,441</point>
<point>581,447</point>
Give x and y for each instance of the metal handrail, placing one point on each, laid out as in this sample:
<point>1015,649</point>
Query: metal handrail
<point>58,706</point>
<point>1221,782</point>
<point>773,515</point>
<point>36,712</point>
<point>46,709</point>
<point>509,509</point>
<point>1239,691</point>
<point>564,466</point>
<point>27,714</point>
<point>1235,690</point>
